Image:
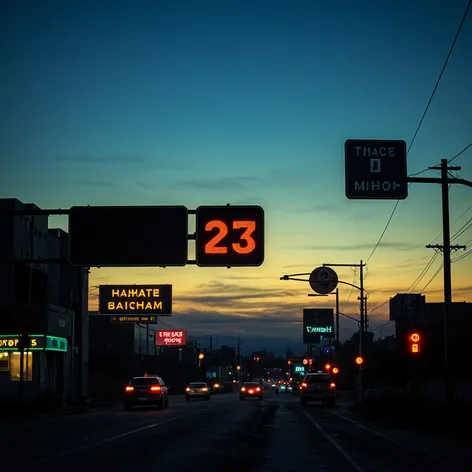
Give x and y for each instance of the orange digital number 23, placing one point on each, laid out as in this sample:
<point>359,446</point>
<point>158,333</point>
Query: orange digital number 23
<point>249,228</point>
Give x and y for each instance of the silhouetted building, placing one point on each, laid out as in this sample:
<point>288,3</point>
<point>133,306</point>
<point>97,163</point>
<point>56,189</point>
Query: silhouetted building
<point>43,300</point>
<point>412,314</point>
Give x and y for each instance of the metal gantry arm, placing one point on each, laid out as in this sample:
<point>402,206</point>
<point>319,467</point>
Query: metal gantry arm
<point>295,277</point>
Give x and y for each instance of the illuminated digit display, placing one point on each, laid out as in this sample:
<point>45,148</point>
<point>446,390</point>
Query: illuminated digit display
<point>229,236</point>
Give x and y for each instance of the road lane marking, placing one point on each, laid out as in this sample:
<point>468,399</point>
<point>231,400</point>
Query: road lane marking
<point>110,439</point>
<point>335,444</point>
<point>387,438</point>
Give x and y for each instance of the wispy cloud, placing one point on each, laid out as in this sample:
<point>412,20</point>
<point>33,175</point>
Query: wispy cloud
<point>223,183</point>
<point>363,246</point>
<point>271,178</point>
<point>91,183</point>
<point>455,290</point>
<point>321,207</point>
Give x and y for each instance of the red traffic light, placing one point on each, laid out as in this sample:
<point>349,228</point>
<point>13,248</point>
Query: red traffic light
<point>415,348</point>
<point>359,360</point>
<point>335,370</point>
<point>414,339</point>
<point>328,366</point>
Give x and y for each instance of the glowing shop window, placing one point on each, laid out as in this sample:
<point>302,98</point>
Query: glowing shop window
<point>4,362</point>
<point>27,366</point>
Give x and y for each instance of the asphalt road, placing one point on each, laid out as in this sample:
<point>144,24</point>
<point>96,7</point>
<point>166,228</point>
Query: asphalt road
<point>275,434</point>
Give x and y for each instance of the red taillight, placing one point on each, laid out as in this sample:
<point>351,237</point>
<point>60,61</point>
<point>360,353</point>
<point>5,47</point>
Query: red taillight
<point>304,385</point>
<point>129,388</point>
<point>155,388</point>
<point>243,389</point>
<point>332,385</point>
<point>258,389</point>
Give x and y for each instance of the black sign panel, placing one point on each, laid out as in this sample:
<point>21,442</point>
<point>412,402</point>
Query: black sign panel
<point>134,319</point>
<point>317,322</point>
<point>128,236</point>
<point>229,236</point>
<point>376,169</point>
<point>134,300</point>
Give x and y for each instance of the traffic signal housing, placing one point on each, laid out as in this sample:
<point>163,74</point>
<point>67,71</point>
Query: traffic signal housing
<point>414,342</point>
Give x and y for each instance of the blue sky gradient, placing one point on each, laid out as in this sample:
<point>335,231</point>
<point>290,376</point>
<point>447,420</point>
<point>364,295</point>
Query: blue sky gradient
<point>242,102</point>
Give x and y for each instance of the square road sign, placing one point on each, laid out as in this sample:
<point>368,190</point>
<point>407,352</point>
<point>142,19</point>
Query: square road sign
<point>229,236</point>
<point>128,236</point>
<point>376,169</point>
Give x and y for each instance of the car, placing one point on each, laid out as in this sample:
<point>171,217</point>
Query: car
<point>197,390</point>
<point>318,386</point>
<point>251,390</point>
<point>147,390</point>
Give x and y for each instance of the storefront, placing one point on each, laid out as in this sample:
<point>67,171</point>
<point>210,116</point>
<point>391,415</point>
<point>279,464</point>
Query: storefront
<point>40,364</point>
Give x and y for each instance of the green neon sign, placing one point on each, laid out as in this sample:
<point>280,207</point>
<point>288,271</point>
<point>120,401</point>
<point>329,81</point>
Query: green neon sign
<point>39,342</point>
<point>319,329</point>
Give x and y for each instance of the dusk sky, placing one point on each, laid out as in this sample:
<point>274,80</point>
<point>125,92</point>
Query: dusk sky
<point>244,102</point>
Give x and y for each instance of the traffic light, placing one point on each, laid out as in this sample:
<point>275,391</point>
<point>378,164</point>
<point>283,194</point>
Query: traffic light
<point>289,362</point>
<point>328,367</point>
<point>414,339</point>
<point>335,370</point>
<point>359,360</point>
<point>229,236</point>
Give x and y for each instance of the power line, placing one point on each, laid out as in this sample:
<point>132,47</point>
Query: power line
<point>422,119</point>
<point>441,74</point>
<point>352,288</point>
<point>463,229</point>
<point>383,232</point>
<point>457,219</point>
<point>463,256</point>
<point>383,325</point>
<point>423,272</point>
<point>428,265</point>
<point>433,277</point>
<point>463,150</point>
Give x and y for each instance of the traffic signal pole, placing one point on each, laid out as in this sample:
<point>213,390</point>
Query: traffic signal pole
<point>362,306</point>
<point>363,317</point>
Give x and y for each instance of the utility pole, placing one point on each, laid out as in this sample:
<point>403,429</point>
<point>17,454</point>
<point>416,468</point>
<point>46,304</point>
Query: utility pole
<point>446,249</point>
<point>444,180</point>
<point>239,359</point>
<point>337,322</point>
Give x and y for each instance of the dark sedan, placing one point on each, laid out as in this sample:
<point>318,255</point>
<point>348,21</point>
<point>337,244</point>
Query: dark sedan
<point>250,390</point>
<point>197,390</point>
<point>149,390</point>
